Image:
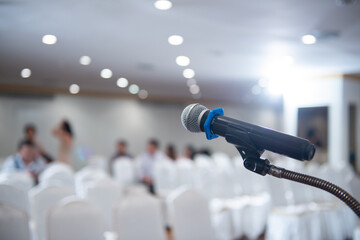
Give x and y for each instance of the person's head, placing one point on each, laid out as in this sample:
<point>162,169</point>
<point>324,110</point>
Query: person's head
<point>171,151</point>
<point>27,151</point>
<point>66,127</point>
<point>189,152</point>
<point>121,147</point>
<point>152,146</point>
<point>30,131</point>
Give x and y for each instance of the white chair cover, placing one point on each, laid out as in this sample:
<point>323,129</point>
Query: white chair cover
<point>204,176</point>
<point>58,173</point>
<point>104,193</point>
<point>124,171</point>
<point>13,223</point>
<point>190,215</point>
<point>42,198</point>
<point>14,197</point>
<point>87,176</point>
<point>76,219</point>
<point>185,172</point>
<point>100,162</point>
<point>165,177</point>
<point>139,217</point>
<point>20,180</point>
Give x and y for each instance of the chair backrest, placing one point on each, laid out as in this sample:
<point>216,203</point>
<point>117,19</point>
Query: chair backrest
<point>15,197</point>
<point>87,176</point>
<point>165,177</point>
<point>204,175</point>
<point>57,172</point>
<point>124,170</point>
<point>104,193</point>
<point>139,217</point>
<point>190,215</point>
<point>99,162</point>
<point>14,223</point>
<point>20,180</point>
<point>73,218</point>
<point>222,160</point>
<point>42,198</point>
<point>185,172</point>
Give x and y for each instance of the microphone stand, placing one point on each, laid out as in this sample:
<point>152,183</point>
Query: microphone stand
<point>253,162</point>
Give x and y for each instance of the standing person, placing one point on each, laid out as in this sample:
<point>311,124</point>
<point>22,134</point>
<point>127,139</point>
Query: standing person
<point>30,134</point>
<point>63,131</point>
<point>147,161</point>
<point>121,151</point>
<point>26,159</point>
<point>171,152</point>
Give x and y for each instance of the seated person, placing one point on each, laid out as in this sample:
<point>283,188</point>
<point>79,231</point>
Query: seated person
<point>26,159</point>
<point>121,151</point>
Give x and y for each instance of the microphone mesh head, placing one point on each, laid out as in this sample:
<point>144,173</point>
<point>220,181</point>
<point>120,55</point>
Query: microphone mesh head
<point>190,116</point>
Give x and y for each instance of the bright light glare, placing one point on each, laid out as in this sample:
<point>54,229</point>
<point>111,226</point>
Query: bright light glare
<point>74,89</point>
<point>188,73</point>
<point>175,40</point>
<point>122,82</point>
<point>276,86</point>
<point>163,4</point>
<point>194,89</point>
<point>182,61</point>
<point>106,73</point>
<point>25,73</point>
<point>134,89</point>
<point>308,39</point>
<point>49,39</point>
<point>263,82</point>
<point>191,82</point>
<point>143,94</point>
<point>85,60</point>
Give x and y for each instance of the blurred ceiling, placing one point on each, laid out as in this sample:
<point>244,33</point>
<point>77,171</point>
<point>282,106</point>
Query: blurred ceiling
<point>229,43</point>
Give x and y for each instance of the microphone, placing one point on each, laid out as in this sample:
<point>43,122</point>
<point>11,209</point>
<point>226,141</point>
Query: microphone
<point>198,118</point>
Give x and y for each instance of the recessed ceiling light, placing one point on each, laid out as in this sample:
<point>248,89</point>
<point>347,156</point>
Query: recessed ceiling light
<point>308,39</point>
<point>49,39</point>
<point>182,61</point>
<point>74,89</point>
<point>106,73</point>
<point>191,82</point>
<point>143,94</point>
<point>256,90</point>
<point>25,73</point>
<point>134,89</point>
<point>194,89</point>
<point>188,73</point>
<point>175,40</point>
<point>122,82</point>
<point>85,60</point>
<point>163,4</point>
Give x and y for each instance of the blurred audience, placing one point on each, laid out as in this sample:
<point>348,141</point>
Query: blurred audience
<point>26,159</point>
<point>190,152</point>
<point>205,151</point>
<point>63,131</point>
<point>120,151</point>
<point>30,134</point>
<point>171,152</point>
<point>146,162</point>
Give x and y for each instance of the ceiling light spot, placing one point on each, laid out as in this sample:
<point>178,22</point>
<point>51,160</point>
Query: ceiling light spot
<point>188,73</point>
<point>122,82</point>
<point>49,39</point>
<point>263,82</point>
<point>106,73</point>
<point>163,4</point>
<point>256,90</point>
<point>197,96</point>
<point>194,89</point>
<point>134,89</point>
<point>74,89</point>
<point>25,73</point>
<point>85,60</point>
<point>175,40</point>
<point>182,61</point>
<point>308,39</point>
<point>143,94</point>
<point>191,82</point>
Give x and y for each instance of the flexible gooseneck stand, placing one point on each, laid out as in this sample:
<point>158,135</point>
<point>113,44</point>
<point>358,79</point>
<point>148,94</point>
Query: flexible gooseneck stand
<point>254,163</point>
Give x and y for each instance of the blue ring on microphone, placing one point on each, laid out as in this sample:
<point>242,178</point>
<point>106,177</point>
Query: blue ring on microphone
<point>207,125</point>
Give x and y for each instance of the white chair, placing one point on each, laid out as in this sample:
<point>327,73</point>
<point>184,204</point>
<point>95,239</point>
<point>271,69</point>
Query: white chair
<point>185,172</point>
<point>190,215</point>
<point>104,193</point>
<point>204,176</point>
<point>73,218</point>
<point>100,162</point>
<point>87,176</point>
<point>42,198</point>
<point>57,173</point>
<point>15,197</point>
<point>139,217</point>
<point>14,223</point>
<point>165,177</point>
<point>20,180</point>
<point>124,171</point>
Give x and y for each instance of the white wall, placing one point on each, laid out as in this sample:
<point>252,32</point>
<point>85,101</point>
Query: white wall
<point>99,122</point>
